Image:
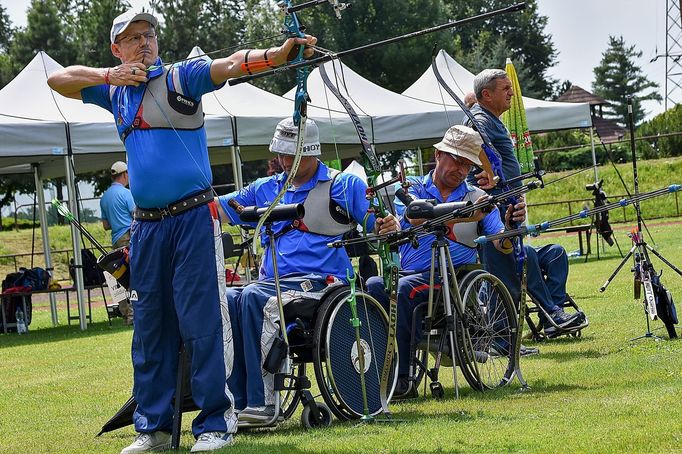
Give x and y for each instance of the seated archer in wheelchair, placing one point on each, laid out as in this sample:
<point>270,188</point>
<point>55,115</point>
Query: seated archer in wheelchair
<point>334,203</point>
<point>454,156</point>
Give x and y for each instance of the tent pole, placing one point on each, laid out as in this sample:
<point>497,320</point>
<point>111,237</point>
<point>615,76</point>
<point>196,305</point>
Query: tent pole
<point>594,155</point>
<point>46,239</point>
<point>75,238</point>
<point>420,161</point>
<point>235,168</point>
<point>240,180</point>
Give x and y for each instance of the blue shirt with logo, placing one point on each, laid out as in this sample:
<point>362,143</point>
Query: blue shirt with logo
<point>117,207</point>
<point>419,260</point>
<point>164,164</point>
<point>298,251</point>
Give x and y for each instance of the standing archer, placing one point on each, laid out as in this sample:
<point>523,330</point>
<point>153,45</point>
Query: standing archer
<point>176,232</point>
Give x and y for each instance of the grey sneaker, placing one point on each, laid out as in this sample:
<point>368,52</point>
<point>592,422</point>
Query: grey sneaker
<point>566,320</point>
<point>257,414</point>
<point>155,441</point>
<point>210,441</point>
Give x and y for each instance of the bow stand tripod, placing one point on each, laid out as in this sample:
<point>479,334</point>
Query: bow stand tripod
<point>658,302</point>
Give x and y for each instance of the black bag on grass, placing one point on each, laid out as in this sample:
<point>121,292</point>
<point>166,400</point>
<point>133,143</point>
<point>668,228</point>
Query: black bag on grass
<point>10,303</point>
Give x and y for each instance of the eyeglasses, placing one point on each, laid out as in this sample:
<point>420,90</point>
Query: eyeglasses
<point>134,40</point>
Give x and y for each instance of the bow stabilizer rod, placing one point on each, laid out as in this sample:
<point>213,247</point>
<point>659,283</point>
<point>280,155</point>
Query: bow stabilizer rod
<point>536,229</point>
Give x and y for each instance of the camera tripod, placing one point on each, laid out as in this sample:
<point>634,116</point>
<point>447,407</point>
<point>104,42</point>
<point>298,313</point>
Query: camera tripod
<point>600,221</point>
<point>658,302</point>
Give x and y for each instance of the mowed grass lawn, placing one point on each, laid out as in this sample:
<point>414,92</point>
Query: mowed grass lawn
<point>598,393</point>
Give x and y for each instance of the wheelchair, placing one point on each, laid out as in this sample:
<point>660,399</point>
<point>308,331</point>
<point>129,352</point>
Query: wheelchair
<point>485,333</point>
<point>537,332</point>
<point>320,335</point>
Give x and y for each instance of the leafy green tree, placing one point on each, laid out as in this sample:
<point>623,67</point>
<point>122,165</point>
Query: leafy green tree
<point>617,77</point>
<point>211,25</point>
<point>11,185</point>
<point>661,125</point>
<point>218,27</point>
<point>6,33</point>
<point>561,88</point>
<point>395,66</point>
<point>45,30</point>
<point>6,30</point>
<point>520,36</point>
<point>91,25</point>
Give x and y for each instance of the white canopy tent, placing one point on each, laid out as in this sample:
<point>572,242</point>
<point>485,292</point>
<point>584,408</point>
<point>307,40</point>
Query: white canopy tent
<point>55,135</point>
<point>397,121</point>
<point>40,126</point>
<point>44,129</point>
<point>255,113</point>
<point>541,115</point>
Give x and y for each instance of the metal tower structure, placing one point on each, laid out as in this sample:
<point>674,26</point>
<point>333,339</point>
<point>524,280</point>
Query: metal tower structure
<point>673,53</point>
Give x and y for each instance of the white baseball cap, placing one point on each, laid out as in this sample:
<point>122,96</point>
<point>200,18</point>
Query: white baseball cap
<point>119,167</point>
<point>132,15</point>
<point>461,141</point>
<point>284,140</point>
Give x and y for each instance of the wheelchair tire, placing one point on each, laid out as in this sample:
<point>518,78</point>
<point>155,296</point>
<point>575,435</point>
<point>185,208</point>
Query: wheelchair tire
<point>487,333</point>
<point>307,420</point>
<point>335,354</point>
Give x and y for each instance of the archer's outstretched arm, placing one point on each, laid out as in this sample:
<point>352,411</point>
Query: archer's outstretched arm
<point>235,65</point>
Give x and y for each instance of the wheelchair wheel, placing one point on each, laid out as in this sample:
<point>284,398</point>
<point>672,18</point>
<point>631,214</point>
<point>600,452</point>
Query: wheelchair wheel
<point>290,398</point>
<point>463,281</point>
<point>307,420</point>
<point>486,333</point>
<point>335,354</point>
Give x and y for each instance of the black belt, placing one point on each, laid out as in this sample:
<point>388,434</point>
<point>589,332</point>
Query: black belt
<point>175,208</point>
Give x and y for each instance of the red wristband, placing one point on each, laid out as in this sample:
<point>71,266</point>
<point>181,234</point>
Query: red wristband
<point>106,76</point>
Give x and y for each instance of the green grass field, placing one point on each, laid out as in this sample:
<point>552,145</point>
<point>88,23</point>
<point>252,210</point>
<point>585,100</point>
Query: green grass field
<point>598,393</point>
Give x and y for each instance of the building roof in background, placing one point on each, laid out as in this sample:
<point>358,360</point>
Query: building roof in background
<point>577,94</point>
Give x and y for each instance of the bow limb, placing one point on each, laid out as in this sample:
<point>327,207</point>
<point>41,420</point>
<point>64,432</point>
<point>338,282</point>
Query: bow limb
<point>488,169</point>
<point>389,260</point>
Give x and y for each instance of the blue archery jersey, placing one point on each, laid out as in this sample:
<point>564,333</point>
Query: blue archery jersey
<point>299,251</point>
<point>165,164</point>
<point>117,207</point>
<point>500,138</point>
<point>419,260</point>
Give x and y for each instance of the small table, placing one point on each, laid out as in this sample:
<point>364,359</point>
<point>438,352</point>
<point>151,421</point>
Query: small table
<point>580,229</point>
<point>66,291</point>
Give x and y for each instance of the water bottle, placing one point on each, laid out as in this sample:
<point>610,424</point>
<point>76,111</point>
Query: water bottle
<point>21,323</point>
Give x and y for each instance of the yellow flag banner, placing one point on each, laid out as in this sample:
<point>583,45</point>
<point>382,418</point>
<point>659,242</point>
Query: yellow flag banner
<point>515,121</point>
